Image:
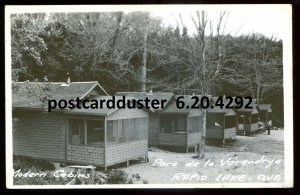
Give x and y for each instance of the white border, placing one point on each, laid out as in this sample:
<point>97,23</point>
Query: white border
<point>287,76</point>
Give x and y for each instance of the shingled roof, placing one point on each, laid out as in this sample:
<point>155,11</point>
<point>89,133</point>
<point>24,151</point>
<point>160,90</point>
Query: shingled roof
<point>104,111</point>
<point>264,107</point>
<point>26,94</point>
<point>252,110</point>
<point>188,101</point>
<point>218,109</point>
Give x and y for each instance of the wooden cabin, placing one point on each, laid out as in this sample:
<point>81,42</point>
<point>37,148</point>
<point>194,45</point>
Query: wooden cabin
<point>108,136</point>
<point>247,119</point>
<point>264,113</point>
<point>180,128</point>
<point>101,137</point>
<point>153,129</point>
<point>220,123</point>
<point>170,127</point>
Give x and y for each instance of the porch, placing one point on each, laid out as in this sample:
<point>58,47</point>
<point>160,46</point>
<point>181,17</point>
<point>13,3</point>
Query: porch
<point>220,126</point>
<point>102,142</point>
<point>247,123</point>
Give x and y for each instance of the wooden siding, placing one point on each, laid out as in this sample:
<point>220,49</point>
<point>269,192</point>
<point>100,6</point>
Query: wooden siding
<point>195,112</point>
<point>127,113</point>
<point>173,139</point>
<point>230,132</point>
<point>240,126</point>
<point>85,154</point>
<point>125,151</point>
<point>251,127</point>
<point>215,132</point>
<point>40,135</point>
<point>194,138</point>
<point>153,130</point>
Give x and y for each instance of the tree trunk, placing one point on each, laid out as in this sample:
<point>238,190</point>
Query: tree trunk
<point>144,69</point>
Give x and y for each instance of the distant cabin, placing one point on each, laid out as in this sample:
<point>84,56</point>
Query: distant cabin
<point>220,123</point>
<point>170,127</point>
<point>101,137</point>
<point>265,113</point>
<point>247,119</point>
<point>181,128</point>
<point>153,131</point>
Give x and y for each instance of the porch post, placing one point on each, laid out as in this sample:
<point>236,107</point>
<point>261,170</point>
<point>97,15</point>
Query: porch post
<point>186,129</point>
<point>250,123</point>
<point>85,132</point>
<point>224,125</point>
<point>104,146</point>
<point>67,140</point>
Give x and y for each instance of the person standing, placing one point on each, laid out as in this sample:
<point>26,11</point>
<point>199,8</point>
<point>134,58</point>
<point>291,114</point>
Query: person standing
<point>269,127</point>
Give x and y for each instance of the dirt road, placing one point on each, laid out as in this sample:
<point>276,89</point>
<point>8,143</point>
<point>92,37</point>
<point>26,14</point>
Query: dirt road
<point>256,158</point>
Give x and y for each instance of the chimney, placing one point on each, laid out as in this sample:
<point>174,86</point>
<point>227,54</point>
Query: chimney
<point>68,78</point>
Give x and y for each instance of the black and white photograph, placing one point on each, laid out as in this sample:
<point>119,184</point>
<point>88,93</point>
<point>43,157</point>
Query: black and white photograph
<point>149,96</point>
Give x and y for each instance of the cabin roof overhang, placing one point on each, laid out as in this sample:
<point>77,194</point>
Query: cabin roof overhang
<point>264,107</point>
<point>27,92</point>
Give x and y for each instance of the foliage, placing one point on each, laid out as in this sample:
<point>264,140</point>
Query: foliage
<point>117,176</point>
<point>23,162</point>
<point>113,48</point>
<point>26,164</point>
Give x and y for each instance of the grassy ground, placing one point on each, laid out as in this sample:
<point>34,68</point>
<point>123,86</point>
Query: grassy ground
<point>266,150</point>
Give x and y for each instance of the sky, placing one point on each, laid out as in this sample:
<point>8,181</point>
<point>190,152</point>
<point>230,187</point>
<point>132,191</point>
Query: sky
<point>269,19</point>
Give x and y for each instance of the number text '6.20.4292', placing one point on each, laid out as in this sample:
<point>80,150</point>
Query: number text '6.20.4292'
<point>222,102</point>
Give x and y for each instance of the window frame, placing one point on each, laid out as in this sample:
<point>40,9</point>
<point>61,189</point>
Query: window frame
<point>84,136</point>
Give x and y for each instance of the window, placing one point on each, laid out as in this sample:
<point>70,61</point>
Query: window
<point>120,131</point>
<point>142,126</point>
<point>98,125</point>
<point>248,119</point>
<point>76,131</point>
<point>84,132</point>
<point>269,115</point>
<point>171,124</point>
<point>95,132</point>
<point>112,130</point>
<point>195,124</point>
<point>180,124</point>
<point>166,124</point>
<point>133,129</point>
<point>123,131</point>
<point>216,124</point>
<point>254,118</point>
<point>241,118</point>
<point>262,116</point>
<point>230,122</point>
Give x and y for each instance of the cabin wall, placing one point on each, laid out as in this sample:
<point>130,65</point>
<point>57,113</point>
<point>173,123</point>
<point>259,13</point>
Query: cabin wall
<point>230,132</point>
<point>40,135</point>
<point>197,113</point>
<point>251,127</point>
<point>153,131</point>
<point>194,139</point>
<point>86,154</point>
<point>213,131</point>
<point>125,151</point>
<point>127,114</point>
<point>173,139</point>
<point>121,152</point>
